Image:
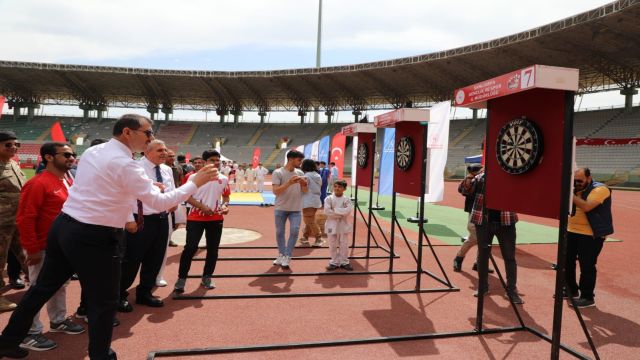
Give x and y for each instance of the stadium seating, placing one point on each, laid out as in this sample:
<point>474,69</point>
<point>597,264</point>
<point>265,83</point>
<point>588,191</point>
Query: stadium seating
<point>465,136</point>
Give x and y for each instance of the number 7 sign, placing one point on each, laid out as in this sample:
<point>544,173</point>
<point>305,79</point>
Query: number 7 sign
<point>527,78</point>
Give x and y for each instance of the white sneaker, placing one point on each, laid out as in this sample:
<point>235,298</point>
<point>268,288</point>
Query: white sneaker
<point>161,283</point>
<point>285,261</point>
<point>278,260</point>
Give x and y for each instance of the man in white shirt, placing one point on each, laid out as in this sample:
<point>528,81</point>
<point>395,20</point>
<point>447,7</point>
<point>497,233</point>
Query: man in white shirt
<point>288,185</point>
<point>85,237</point>
<point>250,175</point>
<point>240,177</point>
<point>261,173</point>
<point>145,248</point>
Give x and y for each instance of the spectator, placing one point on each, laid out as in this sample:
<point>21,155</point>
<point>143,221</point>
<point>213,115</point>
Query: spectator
<point>311,203</point>
<point>324,175</point>
<point>261,174</point>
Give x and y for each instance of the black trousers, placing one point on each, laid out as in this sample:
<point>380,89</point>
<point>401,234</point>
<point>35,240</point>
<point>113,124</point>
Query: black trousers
<point>91,251</point>
<point>13,266</point>
<point>213,233</point>
<point>586,249</point>
<point>144,251</point>
<point>507,239</point>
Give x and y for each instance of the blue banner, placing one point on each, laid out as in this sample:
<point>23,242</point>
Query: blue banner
<point>385,181</point>
<point>307,151</point>
<point>323,149</point>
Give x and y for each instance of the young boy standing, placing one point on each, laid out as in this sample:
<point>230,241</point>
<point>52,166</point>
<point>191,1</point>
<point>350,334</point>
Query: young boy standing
<point>338,208</point>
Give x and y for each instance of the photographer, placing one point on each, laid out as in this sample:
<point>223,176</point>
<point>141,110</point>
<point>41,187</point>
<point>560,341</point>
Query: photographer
<point>472,239</point>
<point>589,224</point>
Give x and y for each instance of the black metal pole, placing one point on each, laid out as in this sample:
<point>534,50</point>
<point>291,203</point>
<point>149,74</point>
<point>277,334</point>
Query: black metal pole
<point>355,215</point>
<point>373,174</point>
<point>392,240</point>
<point>565,192</point>
<point>423,185</point>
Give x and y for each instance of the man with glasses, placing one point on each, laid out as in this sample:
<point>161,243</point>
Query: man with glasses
<point>40,202</point>
<point>145,248</point>
<point>85,237</point>
<point>11,181</point>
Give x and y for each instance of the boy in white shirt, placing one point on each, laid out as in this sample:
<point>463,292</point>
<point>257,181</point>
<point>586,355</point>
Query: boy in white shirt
<point>250,175</point>
<point>240,177</point>
<point>338,208</point>
<point>261,172</point>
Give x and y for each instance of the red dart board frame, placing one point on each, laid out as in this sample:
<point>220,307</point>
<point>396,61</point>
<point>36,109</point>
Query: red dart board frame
<point>407,181</point>
<point>363,174</point>
<point>537,190</point>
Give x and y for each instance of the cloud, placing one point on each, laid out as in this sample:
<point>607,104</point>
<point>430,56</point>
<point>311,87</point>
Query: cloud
<point>91,31</point>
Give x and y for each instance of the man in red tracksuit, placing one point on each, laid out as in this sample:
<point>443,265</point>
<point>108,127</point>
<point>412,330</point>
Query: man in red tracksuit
<point>41,201</point>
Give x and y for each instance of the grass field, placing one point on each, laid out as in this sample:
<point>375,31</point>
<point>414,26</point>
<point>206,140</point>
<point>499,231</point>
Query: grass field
<point>29,173</point>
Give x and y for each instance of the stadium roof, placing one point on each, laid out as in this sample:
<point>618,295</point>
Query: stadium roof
<point>604,44</point>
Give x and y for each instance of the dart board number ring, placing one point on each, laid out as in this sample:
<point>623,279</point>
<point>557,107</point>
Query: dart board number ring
<point>519,146</point>
<point>404,153</point>
<point>363,155</point>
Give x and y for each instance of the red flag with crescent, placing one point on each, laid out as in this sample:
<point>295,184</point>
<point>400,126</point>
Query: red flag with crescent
<point>57,134</point>
<point>256,157</point>
<point>337,152</point>
<point>187,157</point>
<point>1,105</point>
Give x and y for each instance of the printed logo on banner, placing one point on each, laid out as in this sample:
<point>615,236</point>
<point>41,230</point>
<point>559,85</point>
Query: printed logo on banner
<point>460,96</point>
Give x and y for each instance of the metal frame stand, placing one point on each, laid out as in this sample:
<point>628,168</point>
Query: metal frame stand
<point>370,236</point>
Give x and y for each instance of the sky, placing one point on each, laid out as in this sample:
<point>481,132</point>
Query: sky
<point>261,35</point>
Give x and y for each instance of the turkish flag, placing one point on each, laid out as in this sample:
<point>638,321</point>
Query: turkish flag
<point>57,134</point>
<point>187,156</point>
<point>1,105</point>
<point>256,157</point>
<point>337,152</point>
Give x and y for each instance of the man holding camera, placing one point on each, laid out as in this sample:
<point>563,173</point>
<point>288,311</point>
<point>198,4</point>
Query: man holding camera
<point>472,239</point>
<point>589,224</point>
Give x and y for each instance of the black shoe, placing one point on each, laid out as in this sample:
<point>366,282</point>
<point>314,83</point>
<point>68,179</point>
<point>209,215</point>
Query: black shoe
<point>332,267</point>
<point>457,264</point>
<point>75,277</point>
<point>583,303</point>
<point>463,239</point>
<point>16,284</point>
<point>475,268</point>
<point>149,300</point>
<point>172,244</point>
<point>347,267</point>
<point>116,322</point>
<point>124,306</point>
<point>13,352</point>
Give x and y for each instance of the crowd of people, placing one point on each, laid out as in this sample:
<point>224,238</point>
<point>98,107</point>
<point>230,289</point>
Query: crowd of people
<point>110,220</point>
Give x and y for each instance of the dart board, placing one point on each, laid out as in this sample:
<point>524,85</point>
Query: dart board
<point>519,146</point>
<point>404,153</point>
<point>363,155</point>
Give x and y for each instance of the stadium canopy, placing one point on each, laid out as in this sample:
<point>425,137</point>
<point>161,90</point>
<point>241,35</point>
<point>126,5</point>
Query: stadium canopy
<point>604,44</point>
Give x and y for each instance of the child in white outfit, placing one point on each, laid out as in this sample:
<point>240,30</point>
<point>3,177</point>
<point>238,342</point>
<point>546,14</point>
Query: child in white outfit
<point>337,208</point>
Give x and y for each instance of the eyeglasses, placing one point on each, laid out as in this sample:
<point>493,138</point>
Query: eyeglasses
<point>9,145</point>
<point>149,133</point>
<point>67,155</point>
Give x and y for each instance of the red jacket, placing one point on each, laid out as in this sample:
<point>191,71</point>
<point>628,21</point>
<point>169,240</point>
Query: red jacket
<point>41,201</point>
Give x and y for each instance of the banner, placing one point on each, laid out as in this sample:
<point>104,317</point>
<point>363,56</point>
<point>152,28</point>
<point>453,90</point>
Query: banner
<point>314,150</point>
<point>354,159</point>
<point>307,151</point>
<point>56,133</point>
<point>385,181</point>
<point>323,149</point>
<point>187,157</point>
<point>1,105</point>
<point>337,153</point>
<point>602,141</point>
<point>256,157</point>
<point>437,150</point>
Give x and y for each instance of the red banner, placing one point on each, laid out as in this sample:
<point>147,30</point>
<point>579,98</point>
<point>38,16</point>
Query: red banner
<point>603,141</point>
<point>57,134</point>
<point>256,157</point>
<point>187,157</point>
<point>338,144</point>
<point>1,105</point>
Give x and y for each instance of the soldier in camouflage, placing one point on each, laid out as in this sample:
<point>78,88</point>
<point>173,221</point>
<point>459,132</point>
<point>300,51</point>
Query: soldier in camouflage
<point>11,181</point>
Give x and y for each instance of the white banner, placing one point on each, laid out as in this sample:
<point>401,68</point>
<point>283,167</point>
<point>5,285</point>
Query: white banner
<point>354,159</point>
<point>437,145</point>
<point>314,150</point>
<point>299,148</point>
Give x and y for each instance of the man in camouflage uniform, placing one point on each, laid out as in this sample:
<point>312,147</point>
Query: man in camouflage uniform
<point>11,181</point>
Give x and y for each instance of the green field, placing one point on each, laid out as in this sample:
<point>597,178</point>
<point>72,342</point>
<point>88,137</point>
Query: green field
<point>29,173</point>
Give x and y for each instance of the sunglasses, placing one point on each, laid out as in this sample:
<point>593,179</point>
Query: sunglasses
<point>9,145</point>
<point>148,133</point>
<point>67,155</point>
